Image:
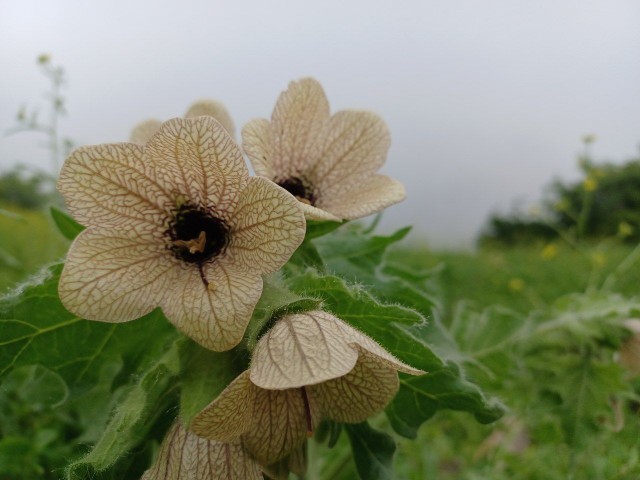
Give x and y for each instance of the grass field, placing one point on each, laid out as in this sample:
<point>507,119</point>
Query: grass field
<point>528,282</point>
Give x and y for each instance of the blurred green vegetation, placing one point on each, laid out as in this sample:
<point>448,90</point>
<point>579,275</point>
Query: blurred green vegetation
<point>603,203</point>
<point>525,277</point>
<point>527,318</point>
<point>28,240</point>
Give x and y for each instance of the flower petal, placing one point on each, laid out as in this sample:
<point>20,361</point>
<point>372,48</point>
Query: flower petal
<point>213,109</point>
<point>230,415</point>
<point>197,160</point>
<point>302,349</point>
<point>214,315</point>
<point>143,131</point>
<point>269,226</point>
<point>185,456</point>
<point>295,463</point>
<point>373,195</point>
<point>363,392</point>
<point>314,213</point>
<point>109,186</point>
<point>257,144</point>
<point>299,122</point>
<point>355,148</point>
<point>280,423</point>
<point>367,344</point>
<point>115,276</point>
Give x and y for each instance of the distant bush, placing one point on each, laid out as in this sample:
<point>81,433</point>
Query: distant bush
<point>27,188</point>
<point>605,202</point>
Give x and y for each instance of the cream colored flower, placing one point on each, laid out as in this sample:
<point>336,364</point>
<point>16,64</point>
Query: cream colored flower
<point>143,131</point>
<point>328,162</point>
<point>308,366</point>
<point>176,223</point>
<point>185,456</point>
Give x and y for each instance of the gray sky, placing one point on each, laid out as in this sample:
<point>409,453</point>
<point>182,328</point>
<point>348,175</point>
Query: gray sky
<point>486,99</point>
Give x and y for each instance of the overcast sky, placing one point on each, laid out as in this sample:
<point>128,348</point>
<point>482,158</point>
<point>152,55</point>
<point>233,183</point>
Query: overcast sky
<point>486,99</point>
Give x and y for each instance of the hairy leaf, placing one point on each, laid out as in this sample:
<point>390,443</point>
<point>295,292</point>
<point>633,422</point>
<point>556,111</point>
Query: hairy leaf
<point>145,401</point>
<point>36,329</point>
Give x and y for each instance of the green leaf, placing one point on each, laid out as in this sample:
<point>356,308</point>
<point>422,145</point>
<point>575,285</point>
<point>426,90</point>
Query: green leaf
<point>351,251</point>
<point>402,332</point>
<point>306,256</point>
<point>146,400</point>
<point>419,398</point>
<point>373,451</point>
<point>65,223</point>
<point>317,229</point>
<point>204,374</point>
<point>36,386</point>
<point>36,329</point>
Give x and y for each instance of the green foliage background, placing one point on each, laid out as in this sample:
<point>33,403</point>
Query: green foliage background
<point>604,203</point>
<point>69,387</point>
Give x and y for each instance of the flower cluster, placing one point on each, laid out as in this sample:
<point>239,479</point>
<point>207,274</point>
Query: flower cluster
<point>174,220</point>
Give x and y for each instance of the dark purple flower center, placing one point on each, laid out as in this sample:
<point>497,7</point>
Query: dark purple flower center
<point>299,188</point>
<point>196,235</point>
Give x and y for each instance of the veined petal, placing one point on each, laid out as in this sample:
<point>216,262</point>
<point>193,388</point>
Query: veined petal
<point>213,109</point>
<point>230,415</point>
<point>295,463</point>
<point>109,186</point>
<point>299,122</point>
<point>199,162</point>
<point>282,419</point>
<point>115,276</point>
<point>314,213</point>
<point>302,349</point>
<point>367,344</point>
<point>214,315</point>
<point>257,144</point>
<point>185,456</point>
<point>374,195</point>
<point>269,226</point>
<point>143,131</point>
<point>363,392</point>
<point>355,148</point>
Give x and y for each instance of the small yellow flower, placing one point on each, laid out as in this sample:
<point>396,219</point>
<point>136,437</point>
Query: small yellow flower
<point>44,58</point>
<point>185,456</point>
<point>143,131</point>
<point>516,284</point>
<point>176,223</point>
<point>624,230</point>
<point>308,366</point>
<point>328,162</point>
<point>549,251</point>
<point>590,184</point>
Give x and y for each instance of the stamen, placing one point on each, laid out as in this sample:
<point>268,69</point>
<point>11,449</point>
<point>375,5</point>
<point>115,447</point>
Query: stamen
<point>307,412</point>
<point>195,245</point>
